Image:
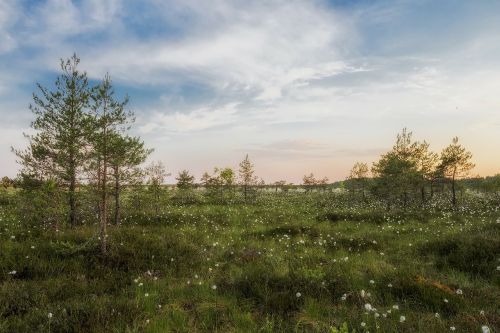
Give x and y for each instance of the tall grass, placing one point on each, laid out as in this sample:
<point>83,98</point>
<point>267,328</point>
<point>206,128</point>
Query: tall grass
<point>283,263</point>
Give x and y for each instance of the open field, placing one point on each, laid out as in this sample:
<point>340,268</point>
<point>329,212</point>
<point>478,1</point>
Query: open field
<point>284,263</point>
<point>228,166</point>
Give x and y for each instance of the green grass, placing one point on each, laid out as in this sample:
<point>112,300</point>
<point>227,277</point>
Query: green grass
<point>283,264</point>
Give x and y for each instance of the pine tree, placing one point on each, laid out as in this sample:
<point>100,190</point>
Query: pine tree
<point>227,177</point>
<point>358,177</point>
<point>426,167</point>
<point>127,154</point>
<point>309,181</point>
<point>57,150</point>
<point>185,180</point>
<point>279,184</point>
<point>205,179</point>
<point>156,174</point>
<point>246,173</point>
<point>6,182</point>
<point>396,172</point>
<point>109,119</point>
<point>455,164</point>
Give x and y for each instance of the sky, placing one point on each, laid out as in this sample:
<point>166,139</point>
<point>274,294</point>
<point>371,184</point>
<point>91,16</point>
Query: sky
<point>300,85</point>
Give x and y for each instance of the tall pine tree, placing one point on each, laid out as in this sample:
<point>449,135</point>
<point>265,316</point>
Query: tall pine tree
<point>58,149</point>
<point>109,119</point>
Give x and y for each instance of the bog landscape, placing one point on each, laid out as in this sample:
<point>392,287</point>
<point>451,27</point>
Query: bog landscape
<point>98,233</point>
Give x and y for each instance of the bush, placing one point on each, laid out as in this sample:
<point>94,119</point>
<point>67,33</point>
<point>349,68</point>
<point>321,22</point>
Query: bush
<point>477,255</point>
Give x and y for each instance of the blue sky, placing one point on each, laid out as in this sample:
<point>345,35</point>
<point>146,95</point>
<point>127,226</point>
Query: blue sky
<point>300,85</point>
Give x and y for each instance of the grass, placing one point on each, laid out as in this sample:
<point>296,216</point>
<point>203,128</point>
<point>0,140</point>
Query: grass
<point>287,263</point>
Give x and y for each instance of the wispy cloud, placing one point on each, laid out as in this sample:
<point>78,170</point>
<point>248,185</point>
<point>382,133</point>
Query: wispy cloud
<point>196,120</point>
<point>9,12</point>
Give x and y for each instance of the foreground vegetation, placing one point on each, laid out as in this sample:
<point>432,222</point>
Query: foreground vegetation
<point>284,262</point>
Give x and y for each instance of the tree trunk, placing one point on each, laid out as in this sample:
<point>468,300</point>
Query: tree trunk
<point>117,197</point>
<point>103,223</point>
<point>72,200</point>
<point>454,197</point>
<point>98,202</point>
<point>104,192</point>
<point>104,209</point>
<point>157,202</point>
<point>72,148</point>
